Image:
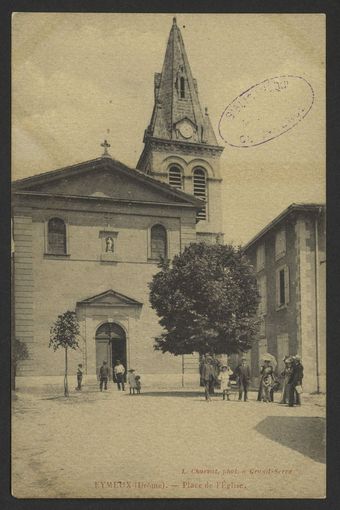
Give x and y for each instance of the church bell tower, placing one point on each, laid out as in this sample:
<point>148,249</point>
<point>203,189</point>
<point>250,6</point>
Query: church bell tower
<point>180,145</point>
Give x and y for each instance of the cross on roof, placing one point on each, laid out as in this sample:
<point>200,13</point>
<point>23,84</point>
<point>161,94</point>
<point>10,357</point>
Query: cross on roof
<point>106,145</point>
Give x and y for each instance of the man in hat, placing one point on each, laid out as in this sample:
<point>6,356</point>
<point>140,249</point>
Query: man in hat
<point>103,376</point>
<point>294,381</point>
<point>119,372</point>
<point>208,375</point>
<point>243,375</point>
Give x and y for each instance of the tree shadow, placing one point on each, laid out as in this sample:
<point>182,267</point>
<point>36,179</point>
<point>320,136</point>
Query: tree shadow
<point>307,435</point>
<point>174,393</point>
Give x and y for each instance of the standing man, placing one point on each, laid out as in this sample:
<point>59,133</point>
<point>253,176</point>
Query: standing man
<point>208,375</point>
<point>295,381</point>
<point>119,372</point>
<point>79,376</point>
<point>103,376</point>
<point>243,374</point>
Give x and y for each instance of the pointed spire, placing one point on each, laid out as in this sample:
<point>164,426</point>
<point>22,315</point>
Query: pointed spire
<point>176,96</point>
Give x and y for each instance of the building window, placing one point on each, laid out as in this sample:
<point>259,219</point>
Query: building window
<point>282,286</point>
<point>200,191</point>
<point>262,287</point>
<point>282,350</point>
<point>158,242</point>
<point>57,236</point>
<point>260,257</point>
<point>280,244</point>
<point>182,87</point>
<point>175,177</point>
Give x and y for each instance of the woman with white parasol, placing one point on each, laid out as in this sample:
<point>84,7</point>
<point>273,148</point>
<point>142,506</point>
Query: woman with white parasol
<point>268,379</point>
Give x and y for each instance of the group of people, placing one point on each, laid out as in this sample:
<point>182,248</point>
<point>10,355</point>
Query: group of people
<point>292,376</point>
<point>213,373</point>
<point>134,380</point>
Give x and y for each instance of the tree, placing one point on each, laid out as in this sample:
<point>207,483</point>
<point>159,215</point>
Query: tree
<point>19,353</point>
<point>64,333</point>
<point>206,300</point>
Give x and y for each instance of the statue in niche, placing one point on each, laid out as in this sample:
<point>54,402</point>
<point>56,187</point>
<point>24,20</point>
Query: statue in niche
<point>109,244</point>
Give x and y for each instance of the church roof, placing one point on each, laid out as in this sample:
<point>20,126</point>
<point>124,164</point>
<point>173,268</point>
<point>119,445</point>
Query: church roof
<point>109,298</point>
<point>170,107</point>
<point>37,182</point>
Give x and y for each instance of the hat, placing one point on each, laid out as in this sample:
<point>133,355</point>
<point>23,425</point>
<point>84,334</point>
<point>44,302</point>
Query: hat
<point>224,366</point>
<point>297,357</point>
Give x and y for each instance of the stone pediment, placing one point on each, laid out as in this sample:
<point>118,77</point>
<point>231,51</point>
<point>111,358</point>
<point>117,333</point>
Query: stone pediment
<point>104,179</point>
<point>109,298</point>
<point>184,120</point>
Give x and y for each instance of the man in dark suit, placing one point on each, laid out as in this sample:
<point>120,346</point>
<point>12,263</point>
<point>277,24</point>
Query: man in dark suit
<point>243,375</point>
<point>294,381</point>
<point>208,376</point>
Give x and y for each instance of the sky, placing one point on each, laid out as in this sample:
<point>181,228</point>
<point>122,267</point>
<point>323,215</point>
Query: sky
<point>80,78</point>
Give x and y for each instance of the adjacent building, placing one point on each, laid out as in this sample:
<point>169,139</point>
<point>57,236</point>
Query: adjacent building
<point>289,256</point>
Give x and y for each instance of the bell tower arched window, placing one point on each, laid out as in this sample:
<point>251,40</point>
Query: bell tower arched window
<point>175,177</point>
<point>158,242</point>
<point>56,236</point>
<point>182,87</point>
<point>200,190</point>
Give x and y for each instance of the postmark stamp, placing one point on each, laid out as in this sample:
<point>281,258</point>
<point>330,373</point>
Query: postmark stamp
<point>266,111</point>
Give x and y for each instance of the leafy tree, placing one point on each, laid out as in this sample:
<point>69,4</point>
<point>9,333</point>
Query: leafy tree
<point>206,300</point>
<point>19,353</point>
<point>64,333</point>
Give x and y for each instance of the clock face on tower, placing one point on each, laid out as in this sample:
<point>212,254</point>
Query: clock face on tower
<point>186,129</point>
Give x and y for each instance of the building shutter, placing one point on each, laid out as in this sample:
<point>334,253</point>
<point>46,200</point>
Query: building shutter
<point>278,288</point>
<point>287,285</point>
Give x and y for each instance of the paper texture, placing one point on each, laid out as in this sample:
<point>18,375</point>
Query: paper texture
<point>77,80</point>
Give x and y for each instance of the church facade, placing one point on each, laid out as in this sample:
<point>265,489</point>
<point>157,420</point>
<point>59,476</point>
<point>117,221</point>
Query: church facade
<point>88,237</point>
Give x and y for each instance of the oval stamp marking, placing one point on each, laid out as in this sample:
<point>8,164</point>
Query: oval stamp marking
<point>266,110</point>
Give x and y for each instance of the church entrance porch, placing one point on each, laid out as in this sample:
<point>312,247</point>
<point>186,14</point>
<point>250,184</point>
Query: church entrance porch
<point>110,345</point>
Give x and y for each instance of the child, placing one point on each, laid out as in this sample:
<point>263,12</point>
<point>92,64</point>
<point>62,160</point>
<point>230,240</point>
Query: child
<point>131,379</point>
<point>79,376</point>
<point>224,379</point>
<point>138,384</point>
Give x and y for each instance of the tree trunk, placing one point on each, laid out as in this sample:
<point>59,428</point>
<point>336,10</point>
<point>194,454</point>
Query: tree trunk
<point>66,393</point>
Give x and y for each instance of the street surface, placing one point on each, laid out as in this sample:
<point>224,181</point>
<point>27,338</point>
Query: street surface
<point>164,444</point>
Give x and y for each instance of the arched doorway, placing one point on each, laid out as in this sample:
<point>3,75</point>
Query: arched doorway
<point>110,345</point>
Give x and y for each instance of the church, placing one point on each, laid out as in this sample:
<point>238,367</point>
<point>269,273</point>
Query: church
<point>88,237</point>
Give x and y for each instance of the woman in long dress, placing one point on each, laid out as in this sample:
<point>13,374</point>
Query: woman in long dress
<point>286,373</point>
<point>267,382</point>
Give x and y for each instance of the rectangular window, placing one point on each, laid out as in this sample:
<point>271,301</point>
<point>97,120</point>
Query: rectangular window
<point>282,349</point>
<point>262,287</point>
<point>260,257</point>
<point>280,244</point>
<point>282,286</point>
